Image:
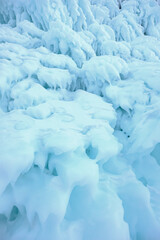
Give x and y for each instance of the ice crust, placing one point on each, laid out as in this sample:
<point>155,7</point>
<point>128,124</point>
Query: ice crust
<point>79,120</point>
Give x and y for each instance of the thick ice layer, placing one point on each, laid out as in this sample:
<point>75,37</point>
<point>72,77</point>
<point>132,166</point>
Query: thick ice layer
<point>79,120</point>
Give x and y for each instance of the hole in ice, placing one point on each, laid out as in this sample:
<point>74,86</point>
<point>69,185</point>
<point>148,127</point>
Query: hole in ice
<point>34,76</point>
<point>36,166</point>
<point>143,180</point>
<point>122,76</point>
<point>156,153</point>
<point>46,86</point>
<point>14,213</point>
<point>92,152</point>
<point>47,162</point>
<point>54,173</point>
<point>52,47</point>
<point>41,27</point>
<point>50,166</point>
<point>2,19</point>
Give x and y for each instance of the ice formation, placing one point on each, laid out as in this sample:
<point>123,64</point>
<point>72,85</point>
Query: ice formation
<point>79,120</point>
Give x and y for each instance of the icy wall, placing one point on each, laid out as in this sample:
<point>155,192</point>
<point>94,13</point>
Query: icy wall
<point>79,120</point>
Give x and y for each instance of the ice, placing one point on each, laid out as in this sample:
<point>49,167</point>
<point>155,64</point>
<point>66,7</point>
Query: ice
<point>148,72</point>
<point>146,49</point>
<point>125,27</point>
<point>63,141</point>
<point>79,120</point>
<point>102,71</point>
<point>54,78</point>
<point>127,93</point>
<point>67,42</point>
<point>27,93</point>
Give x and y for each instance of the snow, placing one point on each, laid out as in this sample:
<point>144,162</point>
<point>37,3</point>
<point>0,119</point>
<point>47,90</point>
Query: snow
<point>79,120</point>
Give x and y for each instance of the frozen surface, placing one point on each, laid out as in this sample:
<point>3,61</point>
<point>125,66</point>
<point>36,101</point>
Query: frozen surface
<point>79,120</point>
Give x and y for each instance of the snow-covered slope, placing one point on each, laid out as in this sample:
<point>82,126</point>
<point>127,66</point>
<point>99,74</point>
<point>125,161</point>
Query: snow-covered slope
<point>79,120</point>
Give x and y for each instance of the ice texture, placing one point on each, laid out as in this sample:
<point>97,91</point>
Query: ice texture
<point>79,120</point>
